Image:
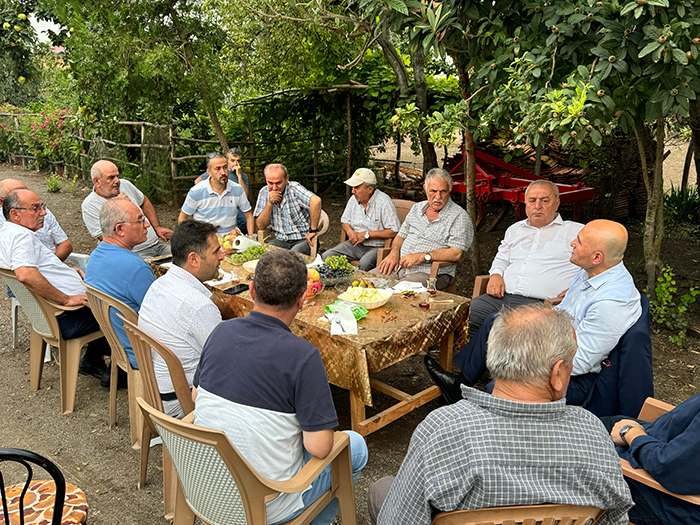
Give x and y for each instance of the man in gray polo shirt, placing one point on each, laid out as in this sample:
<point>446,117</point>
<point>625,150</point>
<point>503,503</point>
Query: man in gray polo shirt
<point>105,177</point>
<point>434,230</point>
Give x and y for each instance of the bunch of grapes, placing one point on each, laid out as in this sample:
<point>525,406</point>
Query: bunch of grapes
<point>254,252</point>
<point>335,267</point>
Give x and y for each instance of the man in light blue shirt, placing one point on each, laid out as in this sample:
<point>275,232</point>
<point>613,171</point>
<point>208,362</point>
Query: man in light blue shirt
<point>602,300</point>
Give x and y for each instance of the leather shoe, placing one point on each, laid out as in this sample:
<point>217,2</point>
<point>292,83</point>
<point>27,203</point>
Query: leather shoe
<point>89,368</point>
<point>449,383</point>
<point>106,377</point>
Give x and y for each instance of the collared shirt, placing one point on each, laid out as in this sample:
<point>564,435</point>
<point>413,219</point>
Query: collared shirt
<point>20,247</point>
<point>485,451</point>
<point>92,205</point>
<point>177,310</point>
<point>670,452</point>
<point>452,229</point>
<point>534,262</point>
<point>204,204</point>
<point>380,215</point>
<point>50,234</point>
<point>291,219</point>
<point>603,308</point>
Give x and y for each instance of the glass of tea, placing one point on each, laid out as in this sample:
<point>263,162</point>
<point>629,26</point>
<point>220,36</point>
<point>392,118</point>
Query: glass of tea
<point>423,302</point>
<point>432,286</point>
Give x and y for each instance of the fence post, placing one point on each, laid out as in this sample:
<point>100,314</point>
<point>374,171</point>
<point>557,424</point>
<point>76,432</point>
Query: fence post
<point>143,149</point>
<point>313,132</point>
<point>252,147</point>
<point>349,163</point>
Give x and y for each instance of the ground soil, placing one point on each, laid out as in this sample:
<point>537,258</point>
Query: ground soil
<point>100,460</point>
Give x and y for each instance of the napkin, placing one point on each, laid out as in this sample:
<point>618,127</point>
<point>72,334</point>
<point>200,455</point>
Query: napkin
<point>317,262</point>
<point>344,323</point>
<point>408,286</point>
<point>224,278</point>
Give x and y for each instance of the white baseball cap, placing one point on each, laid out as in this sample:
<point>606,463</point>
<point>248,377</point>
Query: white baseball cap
<point>362,176</point>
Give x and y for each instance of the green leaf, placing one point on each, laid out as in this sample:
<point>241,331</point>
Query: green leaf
<point>621,66</point>
<point>398,5</point>
<point>628,8</point>
<point>679,56</point>
<point>583,71</point>
<point>639,11</point>
<point>596,137</point>
<point>576,18</point>
<point>680,10</point>
<point>658,3</point>
<point>650,47</point>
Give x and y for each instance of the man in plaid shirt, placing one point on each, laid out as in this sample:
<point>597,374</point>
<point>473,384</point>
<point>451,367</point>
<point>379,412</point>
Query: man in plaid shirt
<point>292,211</point>
<point>520,446</point>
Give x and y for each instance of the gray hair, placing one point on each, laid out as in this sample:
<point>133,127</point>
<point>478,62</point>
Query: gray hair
<point>526,342</point>
<point>236,152</point>
<point>281,166</point>
<point>280,279</point>
<point>543,182</point>
<point>12,200</point>
<point>215,155</point>
<point>4,184</point>
<point>113,211</point>
<point>95,172</point>
<point>439,174</point>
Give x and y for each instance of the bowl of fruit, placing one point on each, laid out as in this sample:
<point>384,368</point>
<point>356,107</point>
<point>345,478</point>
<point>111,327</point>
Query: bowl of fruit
<point>370,298</point>
<point>226,241</point>
<point>252,253</point>
<point>335,269</point>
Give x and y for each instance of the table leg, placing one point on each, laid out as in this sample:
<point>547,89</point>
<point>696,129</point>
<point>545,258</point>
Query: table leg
<point>447,351</point>
<point>357,411</point>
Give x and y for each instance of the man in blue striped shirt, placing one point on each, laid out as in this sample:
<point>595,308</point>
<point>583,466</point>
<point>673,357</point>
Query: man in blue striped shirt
<point>217,200</point>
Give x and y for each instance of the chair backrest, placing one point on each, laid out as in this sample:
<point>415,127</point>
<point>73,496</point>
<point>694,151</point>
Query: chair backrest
<point>402,208</point>
<point>217,482</point>
<point>143,345</point>
<point>323,223</point>
<point>100,303</point>
<point>525,515</point>
<point>25,457</point>
<point>43,322</point>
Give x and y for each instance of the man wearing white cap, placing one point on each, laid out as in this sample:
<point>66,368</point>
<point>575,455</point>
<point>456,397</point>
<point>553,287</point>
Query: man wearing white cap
<point>368,220</point>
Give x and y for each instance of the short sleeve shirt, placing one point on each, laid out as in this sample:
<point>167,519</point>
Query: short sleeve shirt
<point>51,234</point>
<point>221,210</point>
<point>291,219</point>
<point>379,215</point>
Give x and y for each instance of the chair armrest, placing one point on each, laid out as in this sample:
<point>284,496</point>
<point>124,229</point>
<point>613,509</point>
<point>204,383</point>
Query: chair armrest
<point>435,267</point>
<point>653,408</point>
<point>553,301</point>
<point>61,308</point>
<point>480,284</point>
<point>81,259</point>
<point>264,233</point>
<point>343,235</point>
<point>382,253</point>
<point>642,476</point>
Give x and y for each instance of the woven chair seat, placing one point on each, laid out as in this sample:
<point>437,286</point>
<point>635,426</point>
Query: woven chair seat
<point>39,502</point>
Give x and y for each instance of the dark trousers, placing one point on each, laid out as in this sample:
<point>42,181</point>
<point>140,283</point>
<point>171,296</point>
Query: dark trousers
<point>76,323</point>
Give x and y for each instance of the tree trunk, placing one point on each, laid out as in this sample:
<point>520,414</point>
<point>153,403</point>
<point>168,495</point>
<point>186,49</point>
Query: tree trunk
<point>394,60</point>
<point>695,127</point>
<point>421,88</point>
<point>686,165</point>
<point>218,129</point>
<point>470,171</point>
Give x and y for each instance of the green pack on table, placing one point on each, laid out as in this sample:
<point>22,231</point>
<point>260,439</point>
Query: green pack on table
<point>357,310</point>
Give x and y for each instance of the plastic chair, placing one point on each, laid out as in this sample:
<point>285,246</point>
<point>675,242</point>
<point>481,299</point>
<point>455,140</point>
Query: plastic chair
<point>43,314</point>
<point>525,515</point>
<point>143,345</point>
<point>52,501</point>
<point>100,303</point>
<point>323,224</point>
<point>217,484</point>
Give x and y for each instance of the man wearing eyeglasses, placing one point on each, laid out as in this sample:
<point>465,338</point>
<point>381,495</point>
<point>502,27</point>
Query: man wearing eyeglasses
<point>108,185</point>
<point>41,271</point>
<point>115,269</point>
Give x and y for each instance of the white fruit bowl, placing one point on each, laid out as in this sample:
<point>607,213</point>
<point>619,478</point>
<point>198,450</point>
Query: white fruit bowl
<point>371,305</point>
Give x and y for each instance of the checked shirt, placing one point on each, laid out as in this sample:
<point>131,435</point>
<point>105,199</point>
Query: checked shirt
<point>485,451</point>
<point>291,219</point>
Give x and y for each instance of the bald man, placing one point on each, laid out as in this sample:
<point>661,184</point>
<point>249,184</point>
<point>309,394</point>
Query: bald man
<point>50,234</point>
<point>105,177</point>
<point>602,300</point>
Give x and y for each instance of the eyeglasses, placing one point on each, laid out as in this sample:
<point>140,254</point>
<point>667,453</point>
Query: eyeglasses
<point>142,219</point>
<point>34,207</point>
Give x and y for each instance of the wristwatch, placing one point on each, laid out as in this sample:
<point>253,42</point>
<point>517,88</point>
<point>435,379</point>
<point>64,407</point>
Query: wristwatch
<point>428,257</point>
<point>367,235</point>
<point>627,428</point>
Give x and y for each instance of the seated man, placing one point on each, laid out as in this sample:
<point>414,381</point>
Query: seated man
<point>267,389</point>
<point>115,269</point>
<point>217,199</point>
<point>520,446</point>
<point>50,234</point>
<point>292,211</point>
<point>44,274</point>
<point>105,177</point>
<point>434,230</point>
<point>235,173</point>
<point>532,263</point>
<point>177,309</point>
<point>369,218</point>
<point>602,300</point>
<point>669,450</point>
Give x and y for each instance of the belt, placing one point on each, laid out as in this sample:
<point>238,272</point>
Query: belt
<point>170,396</point>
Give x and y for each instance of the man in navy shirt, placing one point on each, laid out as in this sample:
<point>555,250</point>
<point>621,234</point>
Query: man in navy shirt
<point>267,389</point>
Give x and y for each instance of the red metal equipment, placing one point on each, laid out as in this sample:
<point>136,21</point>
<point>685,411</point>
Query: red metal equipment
<point>496,180</point>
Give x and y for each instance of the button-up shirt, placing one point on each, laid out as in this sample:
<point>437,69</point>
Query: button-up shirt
<point>452,229</point>
<point>604,307</point>
<point>290,219</point>
<point>50,234</point>
<point>221,210</point>
<point>485,451</point>
<point>534,262</point>
<point>380,215</point>
<point>178,311</point>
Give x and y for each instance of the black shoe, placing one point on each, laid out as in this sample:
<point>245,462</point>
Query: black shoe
<point>106,377</point>
<point>449,383</point>
<point>90,368</point>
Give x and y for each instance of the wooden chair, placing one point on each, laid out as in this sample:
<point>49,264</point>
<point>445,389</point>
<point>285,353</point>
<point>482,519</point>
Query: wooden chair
<point>43,315</point>
<point>652,409</point>
<point>482,281</point>
<point>525,515</point>
<point>217,484</point>
<point>323,224</point>
<point>143,345</point>
<point>47,501</point>
<point>100,303</point>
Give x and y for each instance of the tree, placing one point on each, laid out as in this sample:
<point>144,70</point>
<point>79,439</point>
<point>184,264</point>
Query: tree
<point>18,44</point>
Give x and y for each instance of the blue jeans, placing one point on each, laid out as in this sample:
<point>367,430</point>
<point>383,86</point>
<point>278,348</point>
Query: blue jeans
<point>358,453</point>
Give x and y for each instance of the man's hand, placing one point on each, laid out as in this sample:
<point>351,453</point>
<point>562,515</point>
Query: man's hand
<point>496,286</point>
<point>563,293</point>
<point>412,259</point>
<point>76,300</point>
<point>122,195</point>
<point>356,237</point>
<point>163,233</point>
<point>310,238</point>
<point>80,273</point>
<point>275,196</point>
<point>631,433</point>
<point>389,264</point>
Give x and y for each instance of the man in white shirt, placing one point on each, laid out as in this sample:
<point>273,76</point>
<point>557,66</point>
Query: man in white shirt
<point>177,309</point>
<point>105,177</point>
<point>532,263</point>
